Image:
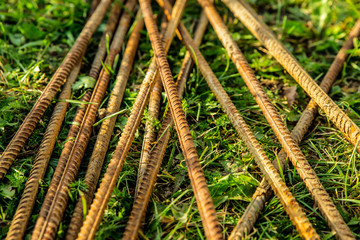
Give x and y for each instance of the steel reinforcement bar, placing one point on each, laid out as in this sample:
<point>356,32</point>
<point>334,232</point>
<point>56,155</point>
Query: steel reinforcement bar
<point>109,180</point>
<point>307,174</point>
<point>263,192</point>
<point>151,117</point>
<point>55,202</point>
<point>293,209</point>
<point>27,201</point>
<point>146,183</point>
<point>23,212</point>
<point>259,29</point>
<point>149,132</point>
<point>108,34</point>
<point>58,79</point>
<point>68,144</point>
<point>107,126</point>
<point>203,199</point>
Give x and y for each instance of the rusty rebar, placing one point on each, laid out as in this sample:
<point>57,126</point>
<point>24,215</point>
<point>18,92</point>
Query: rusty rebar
<point>109,180</point>
<point>23,212</point>
<point>203,198</point>
<point>27,201</point>
<point>307,174</point>
<point>146,183</point>
<point>263,192</point>
<point>152,116</point>
<point>68,144</point>
<point>58,79</point>
<point>106,129</point>
<point>108,34</point>
<point>293,209</point>
<point>259,29</point>
<point>150,125</point>
<point>54,206</point>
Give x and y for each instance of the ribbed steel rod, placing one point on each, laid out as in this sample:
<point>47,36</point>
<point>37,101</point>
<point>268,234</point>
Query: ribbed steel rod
<point>27,201</point>
<point>68,144</point>
<point>108,34</point>
<point>149,132</point>
<point>312,182</point>
<point>293,209</point>
<point>23,212</point>
<point>203,199</point>
<point>263,192</point>
<point>58,79</point>
<point>103,194</point>
<point>259,29</point>
<point>54,206</point>
<point>94,73</point>
<point>151,117</point>
<point>146,183</point>
<point>106,129</point>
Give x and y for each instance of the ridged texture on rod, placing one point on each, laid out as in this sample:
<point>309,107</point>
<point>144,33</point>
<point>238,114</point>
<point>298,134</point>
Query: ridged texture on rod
<point>295,212</point>
<point>53,208</point>
<point>60,168</point>
<point>103,194</point>
<point>146,184</point>
<point>240,9</point>
<point>149,133</point>
<point>203,199</point>
<point>24,209</point>
<point>23,212</point>
<point>152,116</point>
<point>58,79</point>
<point>312,182</point>
<point>263,192</point>
<point>110,28</point>
<point>106,129</point>
<point>94,73</point>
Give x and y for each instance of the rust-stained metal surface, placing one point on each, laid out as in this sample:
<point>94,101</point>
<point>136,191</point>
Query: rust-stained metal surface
<point>110,28</point>
<point>27,201</point>
<point>149,133</point>
<point>58,79</point>
<point>61,166</point>
<point>146,183</point>
<point>203,199</point>
<point>152,116</point>
<point>259,29</point>
<point>159,74</point>
<point>103,194</point>
<point>106,129</point>
<point>293,209</point>
<point>56,200</point>
<point>307,174</point>
<point>23,212</point>
<point>263,192</point>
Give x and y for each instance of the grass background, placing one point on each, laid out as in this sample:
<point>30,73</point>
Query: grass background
<point>35,35</point>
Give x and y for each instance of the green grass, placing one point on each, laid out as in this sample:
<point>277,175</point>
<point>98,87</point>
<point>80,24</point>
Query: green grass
<point>36,35</point>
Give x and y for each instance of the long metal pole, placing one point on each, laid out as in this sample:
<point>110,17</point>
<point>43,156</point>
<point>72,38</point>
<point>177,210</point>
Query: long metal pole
<point>263,192</point>
<point>72,58</point>
<point>293,209</point>
<point>307,174</point>
<point>259,29</point>
<point>146,182</point>
<point>103,138</point>
<point>110,178</point>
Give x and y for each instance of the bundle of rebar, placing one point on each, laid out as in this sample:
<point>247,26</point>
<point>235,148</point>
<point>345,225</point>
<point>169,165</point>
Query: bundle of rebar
<point>123,28</point>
